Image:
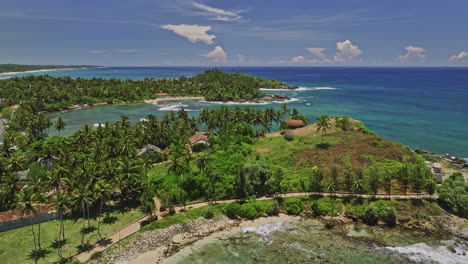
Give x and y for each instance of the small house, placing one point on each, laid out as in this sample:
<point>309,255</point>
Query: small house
<point>437,168</point>
<point>199,138</point>
<point>293,124</point>
<point>149,149</point>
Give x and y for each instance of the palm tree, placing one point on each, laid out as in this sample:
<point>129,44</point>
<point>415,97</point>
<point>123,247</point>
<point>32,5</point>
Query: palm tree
<point>60,124</point>
<point>62,203</point>
<point>323,123</point>
<point>26,204</point>
<point>82,199</point>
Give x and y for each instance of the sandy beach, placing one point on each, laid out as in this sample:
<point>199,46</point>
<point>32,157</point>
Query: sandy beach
<point>174,98</point>
<point>44,70</point>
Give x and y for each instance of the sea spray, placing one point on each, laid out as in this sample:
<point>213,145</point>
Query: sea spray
<point>264,231</point>
<point>451,253</point>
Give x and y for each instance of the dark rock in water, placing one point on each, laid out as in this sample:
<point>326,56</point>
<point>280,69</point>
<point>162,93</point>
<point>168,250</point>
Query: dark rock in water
<point>270,98</point>
<point>422,151</point>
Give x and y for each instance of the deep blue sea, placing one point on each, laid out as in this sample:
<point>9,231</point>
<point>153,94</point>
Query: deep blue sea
<point>418,107</point>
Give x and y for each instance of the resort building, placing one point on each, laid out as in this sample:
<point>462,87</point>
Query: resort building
<point>199,138</point>
<point>292,124</point>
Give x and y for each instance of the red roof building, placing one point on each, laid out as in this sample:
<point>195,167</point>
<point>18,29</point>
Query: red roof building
<point>294,123</point>
<point>198,138</point>
<point>162,94</point>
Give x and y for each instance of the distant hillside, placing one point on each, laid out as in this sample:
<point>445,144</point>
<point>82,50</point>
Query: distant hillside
<point>22,68</point>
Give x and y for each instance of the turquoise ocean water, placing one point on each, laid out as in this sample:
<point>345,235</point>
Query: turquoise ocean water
<point>418,107</point>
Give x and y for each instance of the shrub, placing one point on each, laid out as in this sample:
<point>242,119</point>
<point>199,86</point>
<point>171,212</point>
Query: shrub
<point>208,214</point>
<point>249,211</point>
<point>268,207</point>
<point>294,206</point>
<point>380,210</point>
<point>325,206</point>
<point>377,144</point>
<point>233,210</point>
<point>172,211</point>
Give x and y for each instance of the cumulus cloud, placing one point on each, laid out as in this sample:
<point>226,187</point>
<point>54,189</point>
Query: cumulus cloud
<point>217,54</point>
<point>218,13</point>
<point>346,51</point>
<point>319,52</point>
<point>193,33</point>
<point>297,59</point>
<point>458,57</point>
<point>412,52</point>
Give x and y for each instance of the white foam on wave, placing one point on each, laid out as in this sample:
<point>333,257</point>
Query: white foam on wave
<point>175,107</point>
<point>423,253</point>
<point>234,103</point>
<point>316,88</point>
<point>250,103</point>
<point>272,89</point>
<point>264,231</point>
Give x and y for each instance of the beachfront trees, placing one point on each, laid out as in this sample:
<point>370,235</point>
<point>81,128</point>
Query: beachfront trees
<point>27,205</point>
<point>323,124</point>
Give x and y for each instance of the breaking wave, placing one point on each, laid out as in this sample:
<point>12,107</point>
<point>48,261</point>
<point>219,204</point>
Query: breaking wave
<point>175,107</point>
<point>452,253</point>
<point>316,88</point>
<point>264,231</point>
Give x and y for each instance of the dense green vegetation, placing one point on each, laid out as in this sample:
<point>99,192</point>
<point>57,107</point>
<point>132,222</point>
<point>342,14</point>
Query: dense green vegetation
<point>47,93</point>
<point>368,211</point>
<point>21,67</point>
<point>454,194</point>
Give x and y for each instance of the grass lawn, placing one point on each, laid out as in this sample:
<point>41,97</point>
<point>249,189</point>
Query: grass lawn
<point>16,244</point>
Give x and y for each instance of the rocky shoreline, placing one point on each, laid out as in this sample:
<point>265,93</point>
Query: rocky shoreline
<point>165,242</point>
<point>160,245</point>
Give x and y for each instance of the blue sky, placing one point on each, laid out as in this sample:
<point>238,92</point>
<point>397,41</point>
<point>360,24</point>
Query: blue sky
<point>235,32</point>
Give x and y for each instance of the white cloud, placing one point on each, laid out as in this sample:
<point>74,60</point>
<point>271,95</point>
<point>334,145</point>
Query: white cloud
<point>217,54</point>
<point>241,58</point>
<point>193,33</point>
<point>346,51</point>
<point>458,57</point>
<point>218,13</point>
<point>297,59</point>
<point>319,52</point>
<point>412,52</point>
